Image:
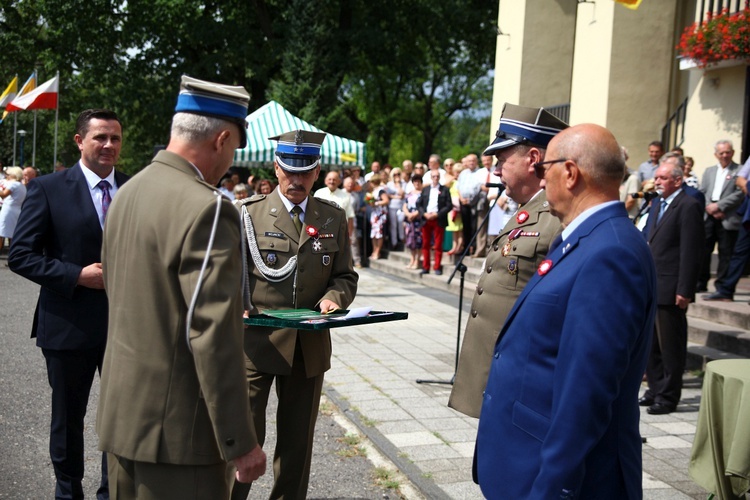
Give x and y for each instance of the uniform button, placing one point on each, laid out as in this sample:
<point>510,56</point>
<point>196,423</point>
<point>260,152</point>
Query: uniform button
<point>514,247</point>
<point>495,247</point>
<point>272,245</point>
<point>497,355</point>
<point>229,442</point>
<point>301,270</point>
<point>480,290</point>
<point>301,250</point>
<point>489,269</point>
<point>474,313</point>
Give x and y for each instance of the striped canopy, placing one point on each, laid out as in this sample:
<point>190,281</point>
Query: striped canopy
<point>271,120</point>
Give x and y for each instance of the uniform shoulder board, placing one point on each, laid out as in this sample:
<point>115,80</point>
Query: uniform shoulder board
<point>329,202</point>
<point>252,199</point>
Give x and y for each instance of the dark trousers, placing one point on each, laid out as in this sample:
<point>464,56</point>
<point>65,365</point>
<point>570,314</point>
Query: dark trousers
<point>469,220</point>
<point>432,232</point>
<point>666,362</point>
<point>480,249</point>
<point>725,238</point>
<point>727,284</point>
<point>70,375</point>
<point>299,399</point>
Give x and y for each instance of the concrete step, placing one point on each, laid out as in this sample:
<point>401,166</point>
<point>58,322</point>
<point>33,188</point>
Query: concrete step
<point>719,336</point>
<point>735,314</point>
<point>698,355</point>
<point>396,264</point>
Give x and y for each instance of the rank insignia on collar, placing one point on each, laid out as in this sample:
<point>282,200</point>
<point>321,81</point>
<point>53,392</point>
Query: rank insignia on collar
<point>326,259</point>
<point>522,217</point>
<point>317,246</point>
<point>271,259</point>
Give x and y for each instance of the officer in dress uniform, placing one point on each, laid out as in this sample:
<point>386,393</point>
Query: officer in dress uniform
<point>515,254</point>
<point>298,256</point>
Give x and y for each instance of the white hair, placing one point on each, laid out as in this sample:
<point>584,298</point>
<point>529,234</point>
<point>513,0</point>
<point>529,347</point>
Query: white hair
<point>195,128</point>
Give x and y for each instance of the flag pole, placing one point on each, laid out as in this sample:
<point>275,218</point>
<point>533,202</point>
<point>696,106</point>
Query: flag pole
<point>15,127</point>
<point>33,147</point>
<point>57,114</point>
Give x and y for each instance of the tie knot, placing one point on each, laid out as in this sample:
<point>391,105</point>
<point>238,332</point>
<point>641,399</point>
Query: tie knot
<point>296,209</point>
<point>103,185</point>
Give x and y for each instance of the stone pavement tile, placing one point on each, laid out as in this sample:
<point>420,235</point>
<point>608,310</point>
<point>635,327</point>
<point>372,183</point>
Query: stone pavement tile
<point>380,416</point>
<point>661,442</point>
<point>667,454</point>
<point>454,475</point>
<point>670,476</point>
<point>413,393</point>
<point>444,464</point>
<point>649,430</point>
<point>357,396</point>
<point>460,435</point>
<point>444,424</point>
<point>664,494</point>
<point>650,483</point>
<point>462,491</point>
<point>401,440</point>
<point>432,410</point>
<point>675,428</point>
<point>400,426</point>
<point>652,465</point>
<point>465,449</point>
<point>378,404</point>
<point>690,488</point>
<point>429,452</point>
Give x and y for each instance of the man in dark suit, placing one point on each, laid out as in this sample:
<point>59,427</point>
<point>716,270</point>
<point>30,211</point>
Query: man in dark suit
<point>434,204</point>
<point>559,417</point>
<point>57,244</point>
<point>675,236</point>
<point>722,223</point>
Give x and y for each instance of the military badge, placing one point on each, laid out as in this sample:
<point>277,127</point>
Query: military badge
<point>522,217</point>
<point>326,259</point>
<point>299,138</point>
<point>506,249</point>
<point>311,231</point>
<point>544,267</point>
<point>317,246</point>
<point>513,267</point>
<point>514,234</point>
<point>328,221</point>
<point>271,259</point>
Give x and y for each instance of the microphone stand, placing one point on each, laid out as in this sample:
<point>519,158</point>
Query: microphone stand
<point>461,268</point>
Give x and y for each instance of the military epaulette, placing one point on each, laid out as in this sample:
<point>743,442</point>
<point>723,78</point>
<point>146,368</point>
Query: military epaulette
<point>252,199</point>
<point>329,202</point>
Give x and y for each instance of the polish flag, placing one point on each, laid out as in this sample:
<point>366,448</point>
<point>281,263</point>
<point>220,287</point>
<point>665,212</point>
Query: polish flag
<point>42,97</point>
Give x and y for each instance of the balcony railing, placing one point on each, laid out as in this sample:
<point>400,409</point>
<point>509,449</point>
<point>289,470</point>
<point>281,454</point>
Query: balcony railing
<point>673,133</point>
<point>716,6</point>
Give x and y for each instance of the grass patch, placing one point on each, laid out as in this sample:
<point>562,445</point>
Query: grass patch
<point>327,409</point>
<point>386,478</point>
<point>352,446</point>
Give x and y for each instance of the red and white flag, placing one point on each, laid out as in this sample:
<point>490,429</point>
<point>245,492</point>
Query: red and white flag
<point>43,97</point>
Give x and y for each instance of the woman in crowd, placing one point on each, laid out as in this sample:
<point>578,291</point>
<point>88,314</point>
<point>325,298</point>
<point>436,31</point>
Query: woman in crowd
<point>413,222</point>
<point>396,192</point>
<point>455,226</point>
<point>380,201</point>
<point>265,187</point>
<point>690,178</point>
<point>13,192</point>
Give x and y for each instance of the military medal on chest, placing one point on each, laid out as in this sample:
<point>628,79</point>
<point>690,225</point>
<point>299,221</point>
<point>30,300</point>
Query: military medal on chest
<point>522,216</point>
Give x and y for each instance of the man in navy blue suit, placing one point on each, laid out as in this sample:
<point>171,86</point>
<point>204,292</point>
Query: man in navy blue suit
<point>57,244</point>
<point>559,417</point>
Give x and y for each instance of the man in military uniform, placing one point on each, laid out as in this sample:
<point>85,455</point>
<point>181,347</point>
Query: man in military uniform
<point>515,254</point>
<point>298,256</point>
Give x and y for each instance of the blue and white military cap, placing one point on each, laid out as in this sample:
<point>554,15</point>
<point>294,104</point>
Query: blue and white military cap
<point>298,150</point>
<point>226,102</point>
<point>524,125</point>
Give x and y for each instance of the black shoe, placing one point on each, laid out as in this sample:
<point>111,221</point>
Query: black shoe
<point>438,272</point>
<point>659,409</point>
<point>643,439</point>
<point>424,271</point>
<point>718,297</point>
<point>645,401</point>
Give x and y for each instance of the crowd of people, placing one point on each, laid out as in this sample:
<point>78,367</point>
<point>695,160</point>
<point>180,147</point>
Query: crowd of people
<point>550,365</point>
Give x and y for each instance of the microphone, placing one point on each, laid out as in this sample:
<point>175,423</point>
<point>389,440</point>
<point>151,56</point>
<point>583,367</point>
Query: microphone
<point>495,185</point>
<point>647,195</point>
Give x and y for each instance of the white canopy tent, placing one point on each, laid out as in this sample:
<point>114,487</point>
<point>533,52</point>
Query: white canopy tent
<point>271,120</point>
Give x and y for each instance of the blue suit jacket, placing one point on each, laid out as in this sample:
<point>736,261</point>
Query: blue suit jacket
<point>58,234</point>
<point>560,411</point>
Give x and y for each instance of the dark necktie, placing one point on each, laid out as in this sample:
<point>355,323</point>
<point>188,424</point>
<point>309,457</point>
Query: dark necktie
<point>296,212</point>
<point>106,198</point>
